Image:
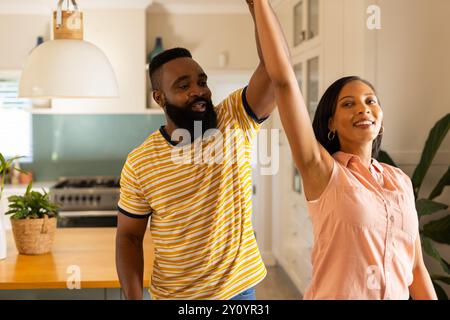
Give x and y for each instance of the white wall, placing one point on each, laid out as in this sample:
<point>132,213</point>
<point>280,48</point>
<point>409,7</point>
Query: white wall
<point>206,36</point>
<point>407,61</point>
<point>412,68</point>
<point>18,35</point>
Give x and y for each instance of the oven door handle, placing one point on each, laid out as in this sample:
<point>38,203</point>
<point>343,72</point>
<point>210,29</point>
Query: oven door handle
<point>99,213</point>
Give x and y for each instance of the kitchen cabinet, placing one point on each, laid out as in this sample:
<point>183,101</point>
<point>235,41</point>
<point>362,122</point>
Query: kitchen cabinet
<point>308,69</point>
<point>305,23</point>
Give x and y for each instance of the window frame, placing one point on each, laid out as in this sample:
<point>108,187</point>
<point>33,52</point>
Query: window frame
<point>14,75</point>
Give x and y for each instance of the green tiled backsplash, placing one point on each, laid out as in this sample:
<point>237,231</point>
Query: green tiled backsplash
<point>78,145</point>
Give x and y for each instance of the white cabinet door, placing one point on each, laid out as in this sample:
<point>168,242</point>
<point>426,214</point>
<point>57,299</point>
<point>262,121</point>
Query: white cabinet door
<point>302,23</point>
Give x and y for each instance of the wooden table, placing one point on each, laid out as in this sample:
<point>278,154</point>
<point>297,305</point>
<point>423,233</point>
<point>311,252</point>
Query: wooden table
<point>90,249</point>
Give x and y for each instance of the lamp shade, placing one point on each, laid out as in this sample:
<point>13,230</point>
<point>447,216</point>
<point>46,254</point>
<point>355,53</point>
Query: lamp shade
<point>67,69</point>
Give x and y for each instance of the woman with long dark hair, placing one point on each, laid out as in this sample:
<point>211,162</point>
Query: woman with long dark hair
<point>366,239</point>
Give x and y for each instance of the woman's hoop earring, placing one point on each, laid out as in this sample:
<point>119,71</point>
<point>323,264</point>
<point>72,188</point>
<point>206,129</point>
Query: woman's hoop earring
<point>331,138</point>
<point>381,131</point>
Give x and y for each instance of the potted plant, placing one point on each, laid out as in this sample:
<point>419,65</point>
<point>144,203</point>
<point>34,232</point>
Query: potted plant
<point>436,230</point>
<point>33,221</point>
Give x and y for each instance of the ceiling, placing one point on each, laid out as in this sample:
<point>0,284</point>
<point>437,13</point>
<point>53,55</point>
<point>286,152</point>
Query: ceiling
<point>202,2</point>
<point>46,6</point>
<point>176,6</point>
<point>198,6</point>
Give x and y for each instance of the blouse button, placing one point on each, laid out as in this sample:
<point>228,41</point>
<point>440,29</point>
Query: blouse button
<point>392,218</point>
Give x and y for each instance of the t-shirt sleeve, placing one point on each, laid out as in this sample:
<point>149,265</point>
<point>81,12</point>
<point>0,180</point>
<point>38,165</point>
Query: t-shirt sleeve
<point>237,107</point>
<point>132,201</point>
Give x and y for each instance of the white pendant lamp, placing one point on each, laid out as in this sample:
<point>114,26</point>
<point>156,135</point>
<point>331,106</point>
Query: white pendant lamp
<point>68,66</point>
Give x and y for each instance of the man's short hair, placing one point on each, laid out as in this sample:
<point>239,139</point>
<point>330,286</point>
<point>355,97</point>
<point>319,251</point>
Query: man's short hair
<point>161,59</point>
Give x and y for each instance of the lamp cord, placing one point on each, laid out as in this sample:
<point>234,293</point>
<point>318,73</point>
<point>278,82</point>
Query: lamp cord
<point>59,11</point>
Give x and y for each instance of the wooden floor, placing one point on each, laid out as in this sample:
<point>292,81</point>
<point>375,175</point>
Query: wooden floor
<point>277,286</point>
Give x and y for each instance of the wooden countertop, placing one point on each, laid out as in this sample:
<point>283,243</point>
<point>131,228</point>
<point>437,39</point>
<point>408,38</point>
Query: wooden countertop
<point>92,249</point>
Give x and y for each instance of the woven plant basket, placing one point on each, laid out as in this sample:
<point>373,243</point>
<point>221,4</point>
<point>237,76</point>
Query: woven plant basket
<point>34,236</point>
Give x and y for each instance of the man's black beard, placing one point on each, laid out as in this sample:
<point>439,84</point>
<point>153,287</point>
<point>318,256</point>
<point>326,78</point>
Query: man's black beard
<point>185,118</point>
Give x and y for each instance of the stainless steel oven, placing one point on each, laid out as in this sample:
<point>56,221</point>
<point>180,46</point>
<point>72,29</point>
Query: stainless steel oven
<point>86,201</point>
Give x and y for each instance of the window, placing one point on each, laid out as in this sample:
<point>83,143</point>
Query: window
<point>15,120</point>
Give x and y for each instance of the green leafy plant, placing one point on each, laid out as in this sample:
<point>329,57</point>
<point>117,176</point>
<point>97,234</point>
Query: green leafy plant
<point>437,230</point>
<point>32,205</point>
<point>4,166</point>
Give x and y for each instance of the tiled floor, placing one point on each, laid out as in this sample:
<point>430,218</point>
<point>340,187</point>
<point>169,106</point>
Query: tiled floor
<point>277,286</point>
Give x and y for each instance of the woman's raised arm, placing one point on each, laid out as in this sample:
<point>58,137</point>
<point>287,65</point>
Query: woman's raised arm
<point>313,161</point>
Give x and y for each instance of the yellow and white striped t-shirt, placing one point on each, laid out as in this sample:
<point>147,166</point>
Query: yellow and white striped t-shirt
<point>200,211</point>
